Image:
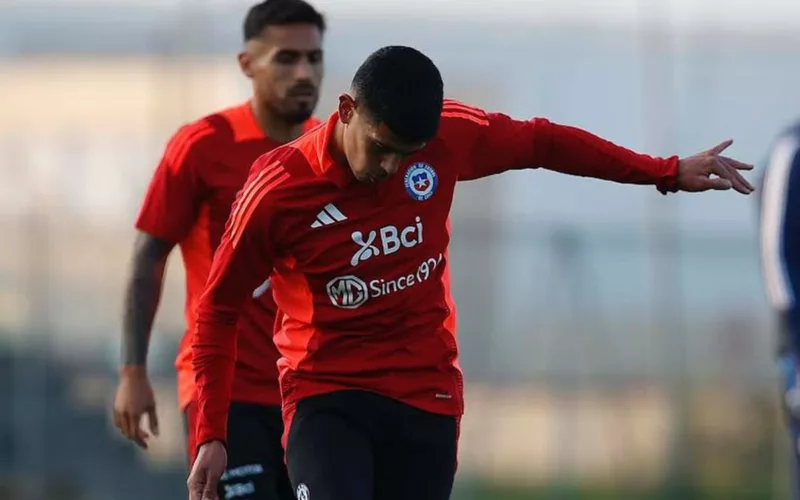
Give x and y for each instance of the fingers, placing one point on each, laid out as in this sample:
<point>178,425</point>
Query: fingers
<point>739,183</point>
<point>118,422</point>
<point>719,148</point>
<point>729,167</point>
<point>152,419</point>
<point>141,438</point>
<point>738,165</point>
<point>709,170</point>
<point>746,186</point>
<point>195,487</point>
<point>125,425</point>
<point>719,184</point>
<point>201,486</point>
<point>210,490</point>
<point>128,425</point>
<point>135,431</point>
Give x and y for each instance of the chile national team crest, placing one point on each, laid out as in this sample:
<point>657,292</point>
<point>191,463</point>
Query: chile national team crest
<point>421,181</point>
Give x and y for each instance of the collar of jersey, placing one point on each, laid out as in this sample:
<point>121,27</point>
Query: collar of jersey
<point>326,165</point>
<point>244,124</point>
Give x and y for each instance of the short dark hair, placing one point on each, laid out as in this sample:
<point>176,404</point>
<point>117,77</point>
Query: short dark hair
<point>401,88</point>
<point>280,13</point>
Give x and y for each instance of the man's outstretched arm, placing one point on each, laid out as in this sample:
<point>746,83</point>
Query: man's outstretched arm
<point>502,143</point>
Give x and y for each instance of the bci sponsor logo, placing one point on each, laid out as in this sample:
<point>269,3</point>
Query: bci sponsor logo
<point>386,240</point>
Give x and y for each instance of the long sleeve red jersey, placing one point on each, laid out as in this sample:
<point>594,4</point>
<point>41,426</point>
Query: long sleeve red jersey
<point>359,270</point>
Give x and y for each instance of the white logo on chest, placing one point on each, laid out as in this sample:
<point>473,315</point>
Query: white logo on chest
<point>388,239</point>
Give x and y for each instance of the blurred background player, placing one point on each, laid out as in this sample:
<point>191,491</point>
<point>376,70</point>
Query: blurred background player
<point>780,259</point>
<point>372,388</point>
<point>187,204</point>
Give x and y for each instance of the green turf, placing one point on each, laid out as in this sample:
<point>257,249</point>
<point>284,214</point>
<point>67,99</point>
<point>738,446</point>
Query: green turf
<point>668,492</point>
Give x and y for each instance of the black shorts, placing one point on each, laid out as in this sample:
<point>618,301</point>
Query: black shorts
<point>356,445</point>
<point>256,468</point>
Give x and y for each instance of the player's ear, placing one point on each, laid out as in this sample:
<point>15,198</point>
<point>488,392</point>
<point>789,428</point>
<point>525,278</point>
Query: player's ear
<point>347,108</point>
<point>246,64</point>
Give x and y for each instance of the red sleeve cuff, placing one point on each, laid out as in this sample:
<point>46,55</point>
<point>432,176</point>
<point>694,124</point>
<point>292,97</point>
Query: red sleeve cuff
<point>669,181</point>
<point>202,441</point>
<point>207,431</point>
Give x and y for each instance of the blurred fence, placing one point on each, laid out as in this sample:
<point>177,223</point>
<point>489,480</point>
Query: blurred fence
<point>616,343</point>
<point>577,374</point>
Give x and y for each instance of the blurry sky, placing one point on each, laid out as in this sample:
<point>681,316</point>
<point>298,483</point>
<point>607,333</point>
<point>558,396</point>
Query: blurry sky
<point>725,75</point>
<point>740,14</point>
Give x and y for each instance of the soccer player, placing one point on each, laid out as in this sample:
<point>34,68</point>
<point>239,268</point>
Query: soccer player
<point>780,259</point>
<point>372,390</point>
<point>187,204</point>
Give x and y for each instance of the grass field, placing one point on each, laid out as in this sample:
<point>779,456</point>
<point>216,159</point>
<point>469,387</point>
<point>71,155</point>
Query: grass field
<point>757,491</point>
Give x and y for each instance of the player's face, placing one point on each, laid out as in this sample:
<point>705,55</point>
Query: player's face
<point>286,68</point>
<point>373,151</point>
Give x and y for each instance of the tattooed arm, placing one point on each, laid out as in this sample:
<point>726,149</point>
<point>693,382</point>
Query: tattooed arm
<point>142,297</point>
<point>135,394</point>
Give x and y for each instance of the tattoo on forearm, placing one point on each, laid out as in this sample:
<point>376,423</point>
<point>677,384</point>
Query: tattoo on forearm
<point>142,297</point>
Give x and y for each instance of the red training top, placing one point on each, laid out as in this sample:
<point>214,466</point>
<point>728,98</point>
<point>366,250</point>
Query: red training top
<point>360,269</point>
<point>188,202</point>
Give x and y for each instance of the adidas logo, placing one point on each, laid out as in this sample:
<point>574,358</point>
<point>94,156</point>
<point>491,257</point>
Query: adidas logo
<point>327,216</point>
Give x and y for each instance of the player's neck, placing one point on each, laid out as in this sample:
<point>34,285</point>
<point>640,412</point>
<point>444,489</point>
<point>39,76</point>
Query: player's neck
<point>336,146</point>
<point>274,127</point>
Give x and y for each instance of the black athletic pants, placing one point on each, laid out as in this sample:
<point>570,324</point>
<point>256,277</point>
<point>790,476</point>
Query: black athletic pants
<point>356,445</point>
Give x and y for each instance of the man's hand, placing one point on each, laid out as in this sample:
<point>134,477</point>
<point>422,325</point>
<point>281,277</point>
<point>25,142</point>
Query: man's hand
<point>207,471</point>
<point>695,172</point>
<point>134,399</point>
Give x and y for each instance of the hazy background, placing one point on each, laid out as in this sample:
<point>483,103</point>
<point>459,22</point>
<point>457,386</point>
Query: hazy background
<point>615,341</point>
